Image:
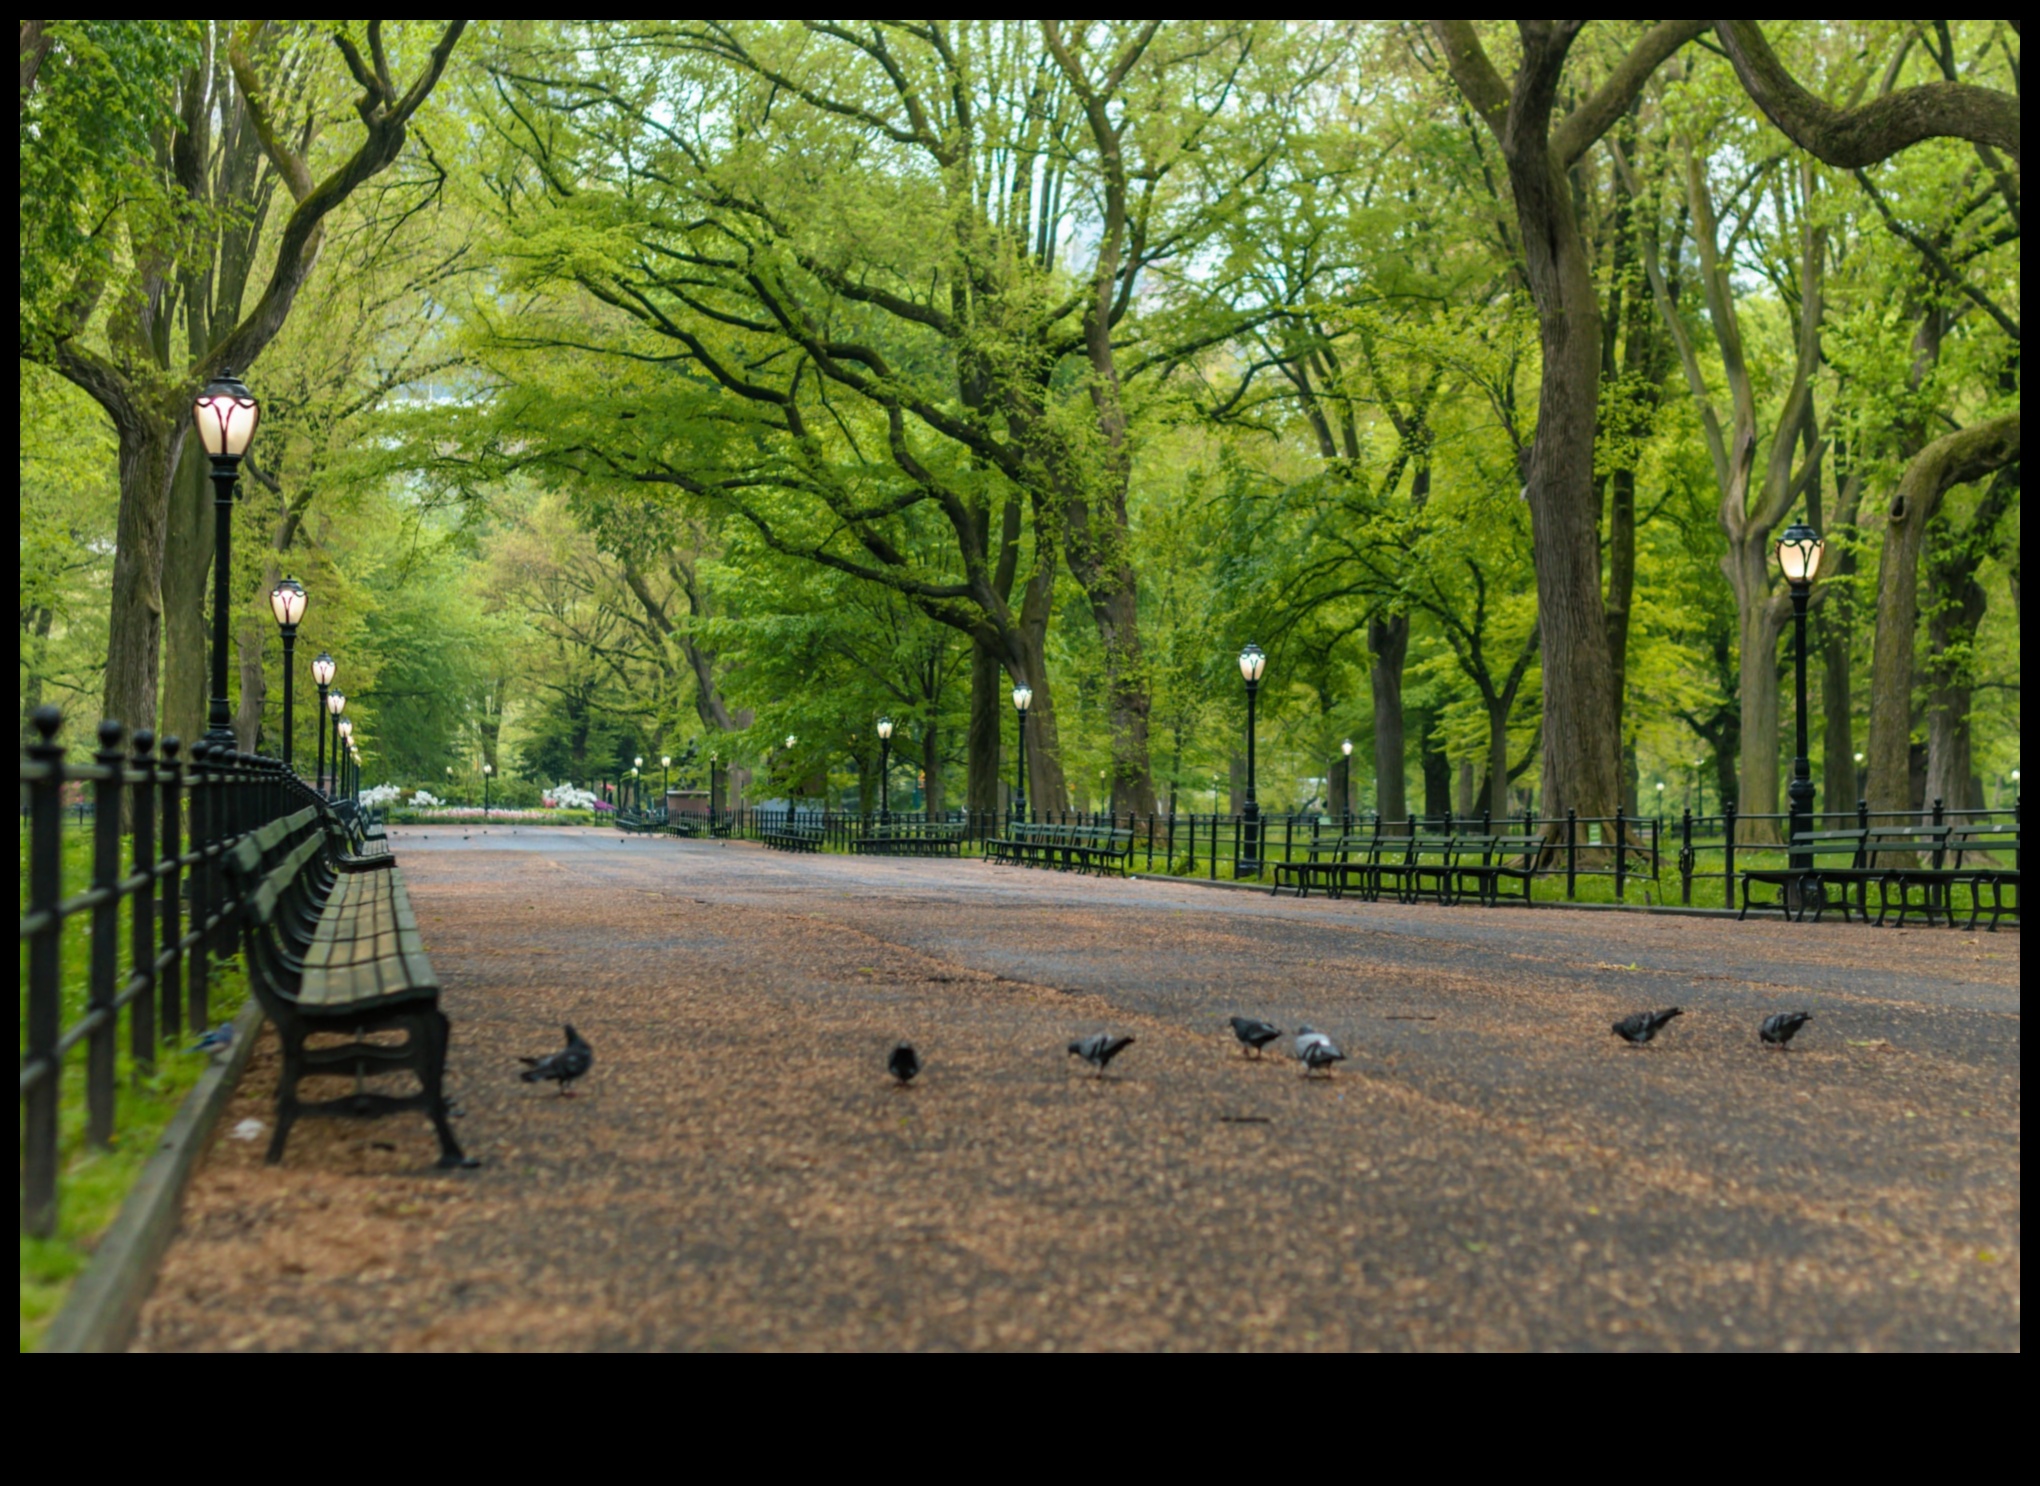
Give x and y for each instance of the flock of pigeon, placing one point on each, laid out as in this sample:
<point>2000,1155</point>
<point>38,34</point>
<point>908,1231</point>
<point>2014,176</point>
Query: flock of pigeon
<point>1314,1050</point>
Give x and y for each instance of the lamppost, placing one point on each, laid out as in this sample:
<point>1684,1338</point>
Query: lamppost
<point>1023,698</point>
<point>792,790</point>
<point>353,772</point>
<point>713,760</point>
<point>487,770</point>
<point>287,603</point>
<point>343,739</point>
<point>884,769</point>
<point>1661,799</point>
<point>225,413</point>
<point>1861,783</point>
<point>1346,782</point>
<point>1252,663</point>
<point>1799,551</point>
<point>322,672</point>
<point>637,793</point>
<point>1699,788</point>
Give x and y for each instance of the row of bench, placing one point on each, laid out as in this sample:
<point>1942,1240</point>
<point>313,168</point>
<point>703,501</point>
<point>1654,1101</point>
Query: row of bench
<point>911,839</point>
<point>333,948</point>
<point>1924,867</point>
<point>1084,848</point>
<point>1444,868</point>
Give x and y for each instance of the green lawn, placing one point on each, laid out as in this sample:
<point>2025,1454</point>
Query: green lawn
<point>95,1182</point>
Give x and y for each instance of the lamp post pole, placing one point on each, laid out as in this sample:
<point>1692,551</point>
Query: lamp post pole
<point>225,414</point>
<point>665,767</point>
<point>487,770</point>
<point>322,673</point>
<point>287,603</point>
<point>1252,663</point>
<point>1023,698</point>
<point>343,750</point>
<point>1799,552</point>
<point>1345,784</point>
<point>885,727</point>
<point>792,784</point>
<point>336,704</point>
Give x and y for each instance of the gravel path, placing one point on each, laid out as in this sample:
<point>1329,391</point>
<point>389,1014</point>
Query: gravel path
<point>1491,1169</point>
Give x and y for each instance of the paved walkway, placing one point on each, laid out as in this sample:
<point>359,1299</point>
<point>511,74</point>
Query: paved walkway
<point>1490,1170</point>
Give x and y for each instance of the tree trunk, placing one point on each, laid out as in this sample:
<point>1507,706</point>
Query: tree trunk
<point>931,770</point>
<point>1760,618</point>
<point>987,720</point>
<point>34,658</point>
<point>1435,767</point>
<point>1580,745</point>
<point>1497,799</point>
<point>1388,646</point>
<point>1621,583</point>
<point>148,450</point>
<point>1951,764</point>
<point>187,567</point>
<point>1114,604</point>
<point>1838,744</point>
<point>1950,460</point>
<point>1339,788</point>
<point>1046,788</point>
<point>1463,801</point>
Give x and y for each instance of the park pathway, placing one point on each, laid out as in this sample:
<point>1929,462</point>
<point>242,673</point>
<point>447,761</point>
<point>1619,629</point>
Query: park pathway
<point>1491,1169</point>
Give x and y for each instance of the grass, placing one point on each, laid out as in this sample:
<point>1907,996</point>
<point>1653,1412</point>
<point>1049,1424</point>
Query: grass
<point>93,1183</point>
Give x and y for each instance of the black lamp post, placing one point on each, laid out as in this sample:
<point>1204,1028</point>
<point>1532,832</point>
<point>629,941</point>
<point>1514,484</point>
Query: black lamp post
<point>1861,782</point>
<point>885,726</point>
<point>1252,663</point>
<point>225,413</point>
<point>322,672</point>
<point>665,767</point>
<point>792,784</point>
<point>487,770</point>
<point>1799,551</point>
<point>1345,782</point>
<point>637,789</point>
<point>287,603</point>
<point>1023,698</point>
<point>343,751</point>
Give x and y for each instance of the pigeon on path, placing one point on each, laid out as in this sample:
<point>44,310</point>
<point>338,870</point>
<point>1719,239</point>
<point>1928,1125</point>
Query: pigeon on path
<point>569,1063</point>
<point>1316,1051</point>
<point>1782,1027</point>
<point>1639,1027</point>
<point>904,1063</point>
<point>1253,1033</point>
<point>1099,1049</point>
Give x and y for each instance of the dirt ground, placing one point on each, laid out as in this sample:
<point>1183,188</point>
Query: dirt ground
<point>1489,1169</point>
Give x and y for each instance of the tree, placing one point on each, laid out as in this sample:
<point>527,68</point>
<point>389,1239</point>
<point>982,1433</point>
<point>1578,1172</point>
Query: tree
<point>1580,742</point>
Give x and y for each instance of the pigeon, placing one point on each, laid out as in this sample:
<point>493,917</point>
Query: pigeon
<point>1099,1049</point>
<point>904,1063</point>
<point>1639,1027</point>
<point>1781,1028</point>
<point>571,1062</point>
<point>1315,1050</point>
<point>219,1039</point>
<point>1254,1034</point>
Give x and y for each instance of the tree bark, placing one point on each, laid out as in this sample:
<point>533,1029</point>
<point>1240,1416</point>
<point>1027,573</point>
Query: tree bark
<point>1953,459</point>
<point>187,568</point>
<point>1388,646</point>
<point>1958,606</point>
<point>982,745</point>
<point>932,798</point>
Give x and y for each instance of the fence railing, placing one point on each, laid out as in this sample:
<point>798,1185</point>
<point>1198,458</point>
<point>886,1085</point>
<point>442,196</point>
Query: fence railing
<point>164,875</point>
<point>1629,851</point>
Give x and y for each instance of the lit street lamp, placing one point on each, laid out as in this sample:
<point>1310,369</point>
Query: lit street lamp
<point>792,790</point>
<point>1799,552</point>
<point>665,766</point>
<point>343,740</point>
<point>637,792</point>
<point>1252,663</point>
<point>1345,782</point>
<point>1023,698</point>
<point>322,672</point>
<point>487,770</point>
<point>1862,784</point>
<point>225,413</point>
<point>885,726</point>
<point>287,603</point>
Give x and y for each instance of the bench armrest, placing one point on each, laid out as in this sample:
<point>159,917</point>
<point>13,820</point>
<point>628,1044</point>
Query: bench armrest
<point>365,864</point>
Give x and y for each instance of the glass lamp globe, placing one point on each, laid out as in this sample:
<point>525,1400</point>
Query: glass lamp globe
<point>1252,663</point>
<point>287,601</point>
<point>226,413</point>
<point>1347,748</point>
<point>322,669</point>
<point>885,727</point>
<point>1023,697</point>
<point>1799,552</point>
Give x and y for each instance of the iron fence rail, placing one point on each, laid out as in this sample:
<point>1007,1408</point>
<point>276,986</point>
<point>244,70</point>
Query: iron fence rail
<point>178,816</point>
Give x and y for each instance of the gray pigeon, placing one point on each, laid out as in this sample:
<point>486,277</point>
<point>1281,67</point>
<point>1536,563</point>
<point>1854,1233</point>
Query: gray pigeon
<point>1099,1049</point>
<point>1316,1051</point>
<point>571,1062</point>
<point>1253,1033</point>
<point>1639,1027</point>
<point>904,1063</point>
<point>1781,1028</point>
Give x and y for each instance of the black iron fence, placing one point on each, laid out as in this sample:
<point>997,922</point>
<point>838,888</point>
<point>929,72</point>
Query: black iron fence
<point>157,904</point>
<point>1630,852</point>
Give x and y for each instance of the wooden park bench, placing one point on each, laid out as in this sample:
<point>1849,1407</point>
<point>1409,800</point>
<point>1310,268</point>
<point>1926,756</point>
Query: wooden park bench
<point>1982,843</point>
<point>1424,866</point>
<point>792,838</point>
<point>1489,863</point>
<point>333,948</point>
<point>1024,844</point>
<point>1333,863</point>
<point>910,838</point>
<point>1840,864</point>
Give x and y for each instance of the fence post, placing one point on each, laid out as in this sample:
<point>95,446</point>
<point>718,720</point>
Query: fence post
<point>1940,818</point>
<point>1169,845</point>
<point>1728,854</point>
<point>168,894</point>
<point>204,804</point>
<point>1214,846</point>
<point>1572,837</point>
<point>141,908</point>
<point>101,1045</point>
<point>45,946</point>
<point>1862,815</point>
<point>1686,856</point>
<point>1621,853</point>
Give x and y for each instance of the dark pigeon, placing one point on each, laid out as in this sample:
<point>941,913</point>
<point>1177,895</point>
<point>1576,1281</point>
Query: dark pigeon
<point>1639,1027</point>
<point>904,1063</point>
<point>1783,1027</point>
<point>571,1062</point>
<point>1254,1034</point>
<point>1099,1049</point>
<point>1316,1051</point>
